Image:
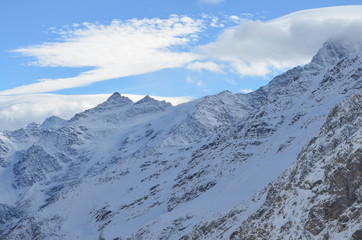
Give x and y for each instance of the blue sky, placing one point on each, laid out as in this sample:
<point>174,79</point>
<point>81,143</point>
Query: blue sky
<point>161,48</point>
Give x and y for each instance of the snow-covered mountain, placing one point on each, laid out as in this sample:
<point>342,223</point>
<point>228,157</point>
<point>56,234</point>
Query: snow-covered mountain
<point>282,162</point>
<point>320,196</point>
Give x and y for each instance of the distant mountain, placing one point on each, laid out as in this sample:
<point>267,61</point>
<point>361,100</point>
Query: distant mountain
<point>282,162</point>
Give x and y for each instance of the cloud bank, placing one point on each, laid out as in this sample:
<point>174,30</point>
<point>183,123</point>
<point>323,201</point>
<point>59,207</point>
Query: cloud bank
<point>18,111</point>
<point>116,50</point>
<point>257,48</point>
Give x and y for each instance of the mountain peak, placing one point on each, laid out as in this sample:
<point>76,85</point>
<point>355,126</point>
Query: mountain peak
<point>333,51</point>
<point>147,98</point>
<point>149,105</point>
<point>115,95</point>
<point>224,93</point>
<point>53,121</point>
<point>117,98</point>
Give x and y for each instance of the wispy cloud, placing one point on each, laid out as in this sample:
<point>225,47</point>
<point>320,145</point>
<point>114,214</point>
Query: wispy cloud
<point>18,111</point>
<point>236,19</point>
<point>209,65</point>
<point>116,50</point>
<point>257,48</point>
<point>196,82</point>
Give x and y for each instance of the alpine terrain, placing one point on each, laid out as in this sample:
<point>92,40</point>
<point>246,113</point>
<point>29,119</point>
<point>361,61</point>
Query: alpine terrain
<point>282,162</point>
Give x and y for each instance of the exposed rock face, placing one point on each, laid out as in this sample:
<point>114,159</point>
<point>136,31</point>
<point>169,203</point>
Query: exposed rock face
<point>4,150</point>
<point>321,196</point>
<point>34,165</point>
<point>200,170</point>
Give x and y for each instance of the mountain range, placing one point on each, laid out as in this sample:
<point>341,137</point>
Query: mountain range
<point>282,162</point>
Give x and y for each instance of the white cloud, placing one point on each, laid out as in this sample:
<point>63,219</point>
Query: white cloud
<point>210,66</point>
<point>256,48</point>
<point>116,50</point>
<point>235,19</point>
<point>18,111</point>
<point>192,81</point>
<point>215,22</point>
<point>212,2</point>
<point>246,90</point>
